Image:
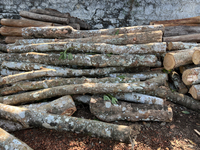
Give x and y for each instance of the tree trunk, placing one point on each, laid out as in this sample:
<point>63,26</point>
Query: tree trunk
<point>11,31</point>
<point>195,91</point>
<point>8,141</point>
<point>97,60</point>
<point>183,38</point>
<point>106,111</point>
<point>82,88</point>
<point>180,45</point>
<point>24,23</point>
<point>12,39</point>
<point>35,85</point>
<point>191,76</point>
<point>178,58</point>
<point>40,17</point>
<point>65,123</point>
<point>103,48</point>
<point>196,57</point>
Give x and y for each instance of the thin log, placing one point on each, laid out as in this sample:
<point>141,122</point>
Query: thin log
<point>12,39</point>
<point>178,83</point>
<point>34,41</point>
<point>178,58</point>
<point>177,24</point>
<point>11,31</point>
<point>8,141</point>
<point>59,32</point>
<point>106,111</point>
<point>83,88</point>
<point>91,47</point>
<point>185,67</point>
<point>6,72</point>
<point>180,45</point>
<point>196,57</point>
<point>65,123</point>
<point>24,23</point>
<point>40,17</point>
<point>183,38</point>
<point>195,92</point>
<point>191,76</point>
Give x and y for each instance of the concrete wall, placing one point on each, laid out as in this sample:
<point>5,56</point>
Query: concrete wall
<point>109,13</point>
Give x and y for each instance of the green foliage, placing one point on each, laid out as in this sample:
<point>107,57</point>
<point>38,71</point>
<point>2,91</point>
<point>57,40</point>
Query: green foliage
<point>186,112</point>
<point>109,55</point>
<point>110,98</point>
<point>166,71</point>
<point>117,32</point>
<point>63,55</point>
<point>121,77</point>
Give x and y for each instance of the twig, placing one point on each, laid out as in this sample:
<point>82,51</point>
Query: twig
<point>197,132</point>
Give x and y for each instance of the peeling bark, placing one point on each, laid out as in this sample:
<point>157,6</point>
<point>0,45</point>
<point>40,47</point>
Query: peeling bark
<point>106,111</point>
<point>191,76</point>
<point>12,39</point>
<point>180,45</point>
<point>11,31</point>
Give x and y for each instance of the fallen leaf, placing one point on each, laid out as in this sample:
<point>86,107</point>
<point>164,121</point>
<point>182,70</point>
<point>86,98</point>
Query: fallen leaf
<point>186,112</point>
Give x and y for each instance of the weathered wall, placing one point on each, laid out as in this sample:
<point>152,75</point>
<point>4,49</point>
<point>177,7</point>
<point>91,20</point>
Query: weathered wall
<point>109,13</point>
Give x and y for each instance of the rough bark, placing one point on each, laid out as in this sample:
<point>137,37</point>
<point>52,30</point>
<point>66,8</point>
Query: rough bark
<point>191,76</point>
<point>24,23</point>
<point>91,47</point>
<point>180,45</point>
<point>183,38</point>
<point>35,85</point>
<point>178,58</point>
<point>12,39</point>
<point>178,83</point>
<point>106,111</point>
<point>65,123</point>
<point>6,72</point>
<point>34,41</point>
<point>195,91</point>
<point>10,126</point>
<point>11,31</point>
<point>196,57</point>
<point>8,141</point>
<point>3,47</point>
<point>83,88</point>
<point>40,17</point>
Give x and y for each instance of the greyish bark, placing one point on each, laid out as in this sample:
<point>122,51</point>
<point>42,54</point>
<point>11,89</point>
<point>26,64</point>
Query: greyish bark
<point>10,126</point>
<point>65,123</point>
<point>7,72</point>
<point>91,48</point>
<point>180,45</point>
<point>3,47</point>
<point>106,111</point>
<point>97,60</point>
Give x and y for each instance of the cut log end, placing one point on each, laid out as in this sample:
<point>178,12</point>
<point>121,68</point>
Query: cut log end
<point>169,46</point>
<point>193,92</point>
<point>188,77</point>
<point>196,57</point>
<point>169,62</point>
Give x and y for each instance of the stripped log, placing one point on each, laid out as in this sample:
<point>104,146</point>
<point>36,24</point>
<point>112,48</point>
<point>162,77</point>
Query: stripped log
<point>11,31</point>
<point>24,23</point>
<point>106,111</point>
<point>191,76</point>
<point>91,47</point>
<point>40,17</point>
<point>82,88</point>
<point>65,123</point>
<point>183,38</point>
<point>196,57</point>
<point>12,39</point>
<point>8,141</point>
<point>195,91</point>
<point>178,58</point>
<point>35,85</point>
<point>180,45</point>
<point>97,60</point>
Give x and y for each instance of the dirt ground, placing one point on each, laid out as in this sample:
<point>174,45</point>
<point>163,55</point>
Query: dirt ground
<point>176,135</point>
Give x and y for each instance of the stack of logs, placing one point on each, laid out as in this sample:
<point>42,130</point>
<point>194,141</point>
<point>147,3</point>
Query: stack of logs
<point>12,28</point>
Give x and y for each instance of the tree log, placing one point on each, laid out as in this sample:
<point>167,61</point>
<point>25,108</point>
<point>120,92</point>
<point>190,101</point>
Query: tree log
<point>183,38</point>
<point>106,111</point>
<point>82,88</point>
<point>12,39</point>
<point>191,76</point>
<point>10,126</point>
<point>11,31</point>
<point>178,58</point>
<point>185,67</point>
<point>65,123</point>
<point>9,142</point>
<point>195,91</point>
<point>24,23</point>
<point>177,24</point>
<point>91,47</point>
<point>6,72</point>
<point>180,45</point>
<point>97,60</point>
<point>196,57</point>
<point>34,41</point>
<point>3,47</point>
<point>40,17</point>
<point>35,85</point>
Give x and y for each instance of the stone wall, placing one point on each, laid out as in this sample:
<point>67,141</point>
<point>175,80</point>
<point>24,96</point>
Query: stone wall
<point>109,13</point>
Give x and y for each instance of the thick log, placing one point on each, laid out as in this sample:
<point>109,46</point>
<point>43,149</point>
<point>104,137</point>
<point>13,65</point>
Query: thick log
<point>40,17</point>
<point>196,57</point>
<point>91,47</point>
<point>11,31</point>
<point>10,126</point>
<point>191,76</point>
<point>185,67</point>
<point>65,123</point>
<point>35,85</point>
<point>106,111</point>
<point>24,23</point>
<point>178,83</point>
<point>195,91</point>
<point>180,45</point>
<point>181,30</point>
<point>50,13</point>
<point>82,88</point>
<point>183,38</point>
<point>8,141</point>
<point>12,39</point>
<point>178,58</point>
